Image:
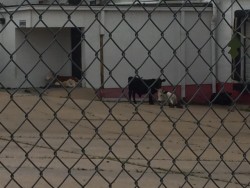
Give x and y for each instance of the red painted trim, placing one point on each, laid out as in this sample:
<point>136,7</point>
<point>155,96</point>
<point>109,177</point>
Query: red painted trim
<point>197,94</point>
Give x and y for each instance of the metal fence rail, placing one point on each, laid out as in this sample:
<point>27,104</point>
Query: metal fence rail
<point>66,117</point>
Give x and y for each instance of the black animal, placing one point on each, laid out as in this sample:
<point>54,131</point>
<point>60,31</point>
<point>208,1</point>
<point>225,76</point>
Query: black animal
<point>223,98</point>
<point>141,86</point>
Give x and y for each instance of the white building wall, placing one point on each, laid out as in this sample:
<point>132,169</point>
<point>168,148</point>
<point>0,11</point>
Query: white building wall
<point>153,49</point>
<point>91,57</point>
<point>17,2</point>
<point>8,57</point>
<point>146,53</point>
<point>198,48</point>
<point>161,49</point>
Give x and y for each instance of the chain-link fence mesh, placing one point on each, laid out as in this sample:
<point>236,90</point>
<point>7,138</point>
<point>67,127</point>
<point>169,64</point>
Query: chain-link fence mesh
<point>76,77</point>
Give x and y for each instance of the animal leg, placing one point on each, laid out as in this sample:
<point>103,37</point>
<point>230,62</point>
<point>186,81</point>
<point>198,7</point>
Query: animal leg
<point>130,94</point>
<point>134,97</point>
<point>151,98</point>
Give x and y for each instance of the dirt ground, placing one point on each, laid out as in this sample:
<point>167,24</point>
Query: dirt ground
<point>51,140</point>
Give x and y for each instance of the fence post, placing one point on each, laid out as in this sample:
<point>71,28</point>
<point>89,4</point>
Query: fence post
<point>213,48</point>
<point>182,70</point>
<point>102,19</point>
<point>101,61</point>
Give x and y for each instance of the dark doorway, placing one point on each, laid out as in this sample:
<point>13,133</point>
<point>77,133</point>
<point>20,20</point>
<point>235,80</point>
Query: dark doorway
<point>76,55</point>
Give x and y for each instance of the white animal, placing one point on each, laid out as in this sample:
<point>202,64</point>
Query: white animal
<point>65,81</point>
<point>69,83</point>
<point>167,98</point>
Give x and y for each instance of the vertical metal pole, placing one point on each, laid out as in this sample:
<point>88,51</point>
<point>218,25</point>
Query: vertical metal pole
<point>244,49</point>
<point>182,70</point>
<point>101,61</point>
<point>213,48</point>
<point>102,19</point>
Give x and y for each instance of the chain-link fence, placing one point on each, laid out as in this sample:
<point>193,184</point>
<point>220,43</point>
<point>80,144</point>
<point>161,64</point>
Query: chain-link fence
<point>121,93</point>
